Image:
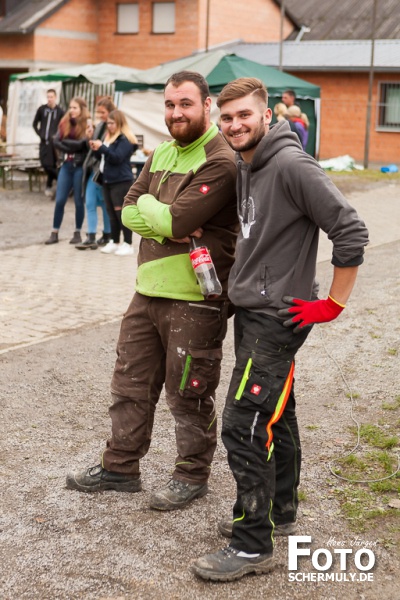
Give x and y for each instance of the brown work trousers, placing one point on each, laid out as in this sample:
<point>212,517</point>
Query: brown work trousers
<point>179,344</point>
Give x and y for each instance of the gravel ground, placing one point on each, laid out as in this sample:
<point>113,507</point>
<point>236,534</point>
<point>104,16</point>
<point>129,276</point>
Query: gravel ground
<point>59,544</point>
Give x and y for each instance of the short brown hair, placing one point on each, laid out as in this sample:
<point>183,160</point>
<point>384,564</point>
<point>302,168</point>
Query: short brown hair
<point>178,78</point>
<point>107,103</point>
<point>243,87</point>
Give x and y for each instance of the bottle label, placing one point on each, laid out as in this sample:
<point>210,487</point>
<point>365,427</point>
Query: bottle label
<point>200,256</point>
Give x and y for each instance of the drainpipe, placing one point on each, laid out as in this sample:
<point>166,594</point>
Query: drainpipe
<point>207,24</point>
<point>370,86</point>
<point>304,29</point>
<point>281,35</point>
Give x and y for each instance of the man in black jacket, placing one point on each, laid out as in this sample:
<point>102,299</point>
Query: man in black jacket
<point>45,124</point>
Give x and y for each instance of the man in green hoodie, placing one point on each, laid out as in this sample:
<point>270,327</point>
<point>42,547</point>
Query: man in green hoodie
<point>170,335</point>
<point>284,198</point>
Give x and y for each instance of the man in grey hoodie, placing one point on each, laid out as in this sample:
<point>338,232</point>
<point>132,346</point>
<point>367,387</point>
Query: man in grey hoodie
<point>284,199</point>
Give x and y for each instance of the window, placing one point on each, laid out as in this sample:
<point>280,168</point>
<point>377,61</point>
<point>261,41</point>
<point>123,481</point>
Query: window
<point>163,17</point>
<point>127,18</point>
<point>389,107</point>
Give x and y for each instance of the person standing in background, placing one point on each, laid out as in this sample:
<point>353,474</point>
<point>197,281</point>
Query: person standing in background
<point>301,123</point>
<point>289,98</point>
<point>71,141</point>
<point>116,175</point>
<point>93,189</point>
<point>45,123</point>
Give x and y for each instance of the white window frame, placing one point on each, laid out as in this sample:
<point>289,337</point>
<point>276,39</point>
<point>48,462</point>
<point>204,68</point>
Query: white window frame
<point>128,18</point>
<point>388,109</point>
<point>163,17</point>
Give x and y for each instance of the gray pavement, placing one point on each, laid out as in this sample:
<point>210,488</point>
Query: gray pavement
<point>47,291</point>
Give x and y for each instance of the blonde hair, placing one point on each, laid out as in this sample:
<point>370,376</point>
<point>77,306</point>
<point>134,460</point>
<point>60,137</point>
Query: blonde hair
<point>295,111</point>
<point>280,110</point>
<point>122,127</point>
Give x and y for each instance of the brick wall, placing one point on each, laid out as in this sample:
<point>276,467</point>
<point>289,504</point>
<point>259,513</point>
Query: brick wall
<point>251,21</point>
<point>344,98</point>
<point>259,21</point>
<point>79,19</point>
<point>13,47</point>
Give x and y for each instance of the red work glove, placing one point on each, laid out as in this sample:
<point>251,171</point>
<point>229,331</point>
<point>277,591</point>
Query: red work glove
<point>307,313</point>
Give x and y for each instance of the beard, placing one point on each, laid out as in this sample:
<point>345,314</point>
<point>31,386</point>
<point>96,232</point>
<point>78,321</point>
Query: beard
<point>187,131</point>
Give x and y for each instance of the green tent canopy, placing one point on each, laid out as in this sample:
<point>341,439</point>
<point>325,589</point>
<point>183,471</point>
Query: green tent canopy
<point>219,67</point>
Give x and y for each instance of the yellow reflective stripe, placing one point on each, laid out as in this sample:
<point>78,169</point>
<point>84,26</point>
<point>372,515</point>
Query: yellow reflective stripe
<point>240,518</point>
<point>245,377</point>
<point>271,449</point>
<point>185,372</point>
<point>211,424</point>
<point>271,521</point>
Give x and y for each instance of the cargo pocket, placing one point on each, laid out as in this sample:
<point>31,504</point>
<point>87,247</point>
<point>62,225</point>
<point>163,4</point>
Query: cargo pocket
<point>258,387</point>
<point>201,372</point>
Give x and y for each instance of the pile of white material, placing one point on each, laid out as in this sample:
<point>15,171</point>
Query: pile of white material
<point>340,163</point>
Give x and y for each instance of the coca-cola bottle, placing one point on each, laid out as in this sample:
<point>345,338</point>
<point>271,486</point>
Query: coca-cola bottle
<point>204,269</point>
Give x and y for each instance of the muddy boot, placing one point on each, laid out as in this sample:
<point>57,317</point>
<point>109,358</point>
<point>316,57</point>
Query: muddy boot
<point>53,239</point>
<point>76,238</point>
<point>90,242</point>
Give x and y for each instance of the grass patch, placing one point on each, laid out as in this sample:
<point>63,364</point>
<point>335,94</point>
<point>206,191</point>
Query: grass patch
<point>392,405</point>
<point>366,505</point>
<point>375,436</point>
<point>302,496</point>
<point>365,174</point>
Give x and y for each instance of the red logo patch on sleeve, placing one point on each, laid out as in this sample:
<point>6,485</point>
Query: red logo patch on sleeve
<point>195,383</point>
<point>256,389</point>
<point>204,189</point>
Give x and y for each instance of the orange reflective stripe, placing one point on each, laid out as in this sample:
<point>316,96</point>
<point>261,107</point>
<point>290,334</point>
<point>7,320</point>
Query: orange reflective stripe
<point>280,407</point>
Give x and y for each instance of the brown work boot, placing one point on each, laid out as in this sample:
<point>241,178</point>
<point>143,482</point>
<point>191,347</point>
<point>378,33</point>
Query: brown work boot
<point>76,238</point>
<point>177,494</point>
<point>53,239</point>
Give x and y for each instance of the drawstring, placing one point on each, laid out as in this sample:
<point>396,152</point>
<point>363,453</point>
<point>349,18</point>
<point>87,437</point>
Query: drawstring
<point>243,207</point>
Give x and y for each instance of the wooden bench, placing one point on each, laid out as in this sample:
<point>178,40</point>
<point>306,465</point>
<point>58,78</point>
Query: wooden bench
<point>31,166</point>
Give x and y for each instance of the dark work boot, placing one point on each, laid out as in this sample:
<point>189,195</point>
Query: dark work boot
<point>225,527</point>
<point>105,238</point>
<point>53,239</point>
<point>90,242</point>
<point>97,479</point>
<point>76,238</point>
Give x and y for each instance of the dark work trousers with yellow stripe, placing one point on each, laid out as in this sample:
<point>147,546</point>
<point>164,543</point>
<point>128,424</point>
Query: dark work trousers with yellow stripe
<point>178,344</point>
<point>260,431</point>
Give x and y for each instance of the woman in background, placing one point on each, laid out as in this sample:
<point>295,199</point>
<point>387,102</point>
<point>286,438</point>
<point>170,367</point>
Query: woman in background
<point>92,188</point>
<point>71,141</point>
<point>301,123</point>
<point>115,153</point>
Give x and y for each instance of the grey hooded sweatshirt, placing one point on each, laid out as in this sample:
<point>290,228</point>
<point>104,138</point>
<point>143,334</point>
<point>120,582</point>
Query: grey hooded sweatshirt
<point>284,198</point>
